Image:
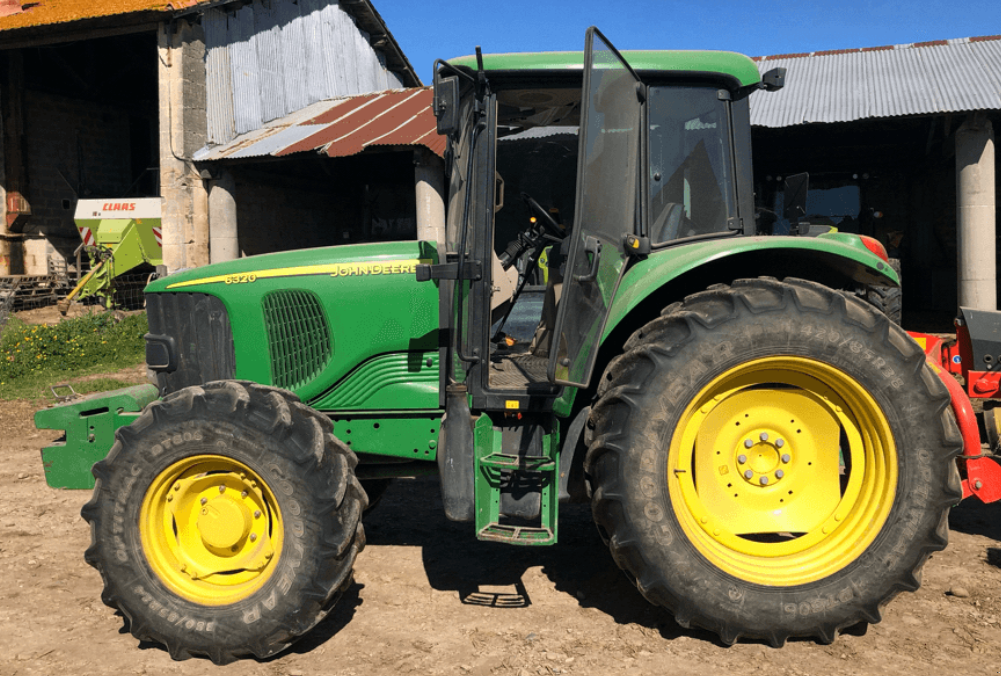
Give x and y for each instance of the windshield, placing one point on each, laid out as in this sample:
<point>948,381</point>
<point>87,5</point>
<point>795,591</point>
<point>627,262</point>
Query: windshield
<point>690,166</point>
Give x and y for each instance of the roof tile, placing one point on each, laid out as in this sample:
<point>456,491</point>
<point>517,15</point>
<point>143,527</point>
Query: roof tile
<point>48,12</point>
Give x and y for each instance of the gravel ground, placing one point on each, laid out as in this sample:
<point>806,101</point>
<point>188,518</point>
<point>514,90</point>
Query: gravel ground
<point>428,598</point>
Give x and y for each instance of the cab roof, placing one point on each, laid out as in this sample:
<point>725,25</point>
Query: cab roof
<point>713,63</point>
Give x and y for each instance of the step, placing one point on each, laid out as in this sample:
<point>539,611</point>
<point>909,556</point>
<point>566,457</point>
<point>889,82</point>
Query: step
<point>520,463</point>
<point>526,535</point>
<point>493,463</point>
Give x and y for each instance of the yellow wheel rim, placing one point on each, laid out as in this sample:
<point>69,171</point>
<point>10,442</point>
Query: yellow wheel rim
<point>782,471</point>
<point>211,530</point>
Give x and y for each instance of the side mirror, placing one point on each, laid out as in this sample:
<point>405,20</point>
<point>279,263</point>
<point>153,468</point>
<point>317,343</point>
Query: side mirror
<point>774,80</point>
<point>446,103</point>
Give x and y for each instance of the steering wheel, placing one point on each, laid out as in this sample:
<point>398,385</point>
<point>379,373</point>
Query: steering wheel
<point>546,218</point>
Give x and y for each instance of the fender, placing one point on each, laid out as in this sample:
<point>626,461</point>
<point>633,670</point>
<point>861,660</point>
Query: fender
<point>669,274</point>
<point>831,254</point>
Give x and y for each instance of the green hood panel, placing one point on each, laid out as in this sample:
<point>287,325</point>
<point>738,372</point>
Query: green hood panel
<point>735,65</point>
<point>381,258</point>
<point>841,250</point>
<point>310,317</point>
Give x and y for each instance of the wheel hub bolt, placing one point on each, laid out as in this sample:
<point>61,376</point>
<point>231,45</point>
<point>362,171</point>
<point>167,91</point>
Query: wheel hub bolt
<point>177,486</point>
<point>253,537</point>
<point>748,443</point>
<point>169,497</point>
<point>786,457</point>
<point>742,458</point>
<point>222,489</point>
<point>243,494</point>
<point>764,436</point>
<point>204,500</point>
<point>764,481</point>
<point>257,514</point>
<point>748,474</point>
<point>779,443</point>
<point>779,474</point>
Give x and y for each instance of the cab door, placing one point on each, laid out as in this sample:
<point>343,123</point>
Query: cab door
<point>608,181</point>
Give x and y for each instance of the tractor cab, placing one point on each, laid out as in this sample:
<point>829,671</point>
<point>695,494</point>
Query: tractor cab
<point>564,167</point>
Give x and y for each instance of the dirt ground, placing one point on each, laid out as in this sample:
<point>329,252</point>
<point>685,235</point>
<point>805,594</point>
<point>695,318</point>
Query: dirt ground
<point>430,599</point>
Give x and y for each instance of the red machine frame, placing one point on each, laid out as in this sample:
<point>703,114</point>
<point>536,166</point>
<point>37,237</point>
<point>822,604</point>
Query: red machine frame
<point>981,473</point>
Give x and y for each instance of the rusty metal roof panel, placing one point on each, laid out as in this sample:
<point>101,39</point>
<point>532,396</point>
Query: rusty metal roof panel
<point>341,127</point>
<point>374,119</point>
<point>927,78</point>
<point>49,12</point>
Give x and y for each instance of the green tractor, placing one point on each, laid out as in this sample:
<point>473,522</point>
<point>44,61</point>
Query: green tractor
<point>766,454</point>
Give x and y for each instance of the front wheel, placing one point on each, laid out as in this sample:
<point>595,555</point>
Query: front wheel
<point>225,521</point>
<point>772,460</point>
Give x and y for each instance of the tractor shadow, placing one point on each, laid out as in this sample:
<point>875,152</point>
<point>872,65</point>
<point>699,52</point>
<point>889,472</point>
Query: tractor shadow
<point>493,574</point>
<point>975,518</point>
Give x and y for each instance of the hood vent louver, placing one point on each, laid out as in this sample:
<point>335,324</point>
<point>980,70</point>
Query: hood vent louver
<point>299,338</point>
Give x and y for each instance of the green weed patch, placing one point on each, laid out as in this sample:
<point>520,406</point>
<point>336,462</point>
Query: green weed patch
<point>33,357</point>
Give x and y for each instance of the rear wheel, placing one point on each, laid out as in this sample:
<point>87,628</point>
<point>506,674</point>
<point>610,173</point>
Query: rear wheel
<point>225,521</point>
<point>772,460</point>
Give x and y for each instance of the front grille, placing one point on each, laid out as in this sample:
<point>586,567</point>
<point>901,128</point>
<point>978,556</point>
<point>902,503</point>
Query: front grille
<point>200,336</point>
<point>298,337</point>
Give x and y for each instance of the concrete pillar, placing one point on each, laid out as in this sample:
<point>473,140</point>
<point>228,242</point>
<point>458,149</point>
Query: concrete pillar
<point>182,131</point>
<point>224,244</point>
<point>975,213</point>
<point>429,181</point>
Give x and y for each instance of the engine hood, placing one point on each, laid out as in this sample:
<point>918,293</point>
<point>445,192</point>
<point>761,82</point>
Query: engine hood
<point>379,258</point>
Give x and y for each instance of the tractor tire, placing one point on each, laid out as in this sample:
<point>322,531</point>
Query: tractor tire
<point>772,459</point>
<point>225,521</point>
<point>887,299</point>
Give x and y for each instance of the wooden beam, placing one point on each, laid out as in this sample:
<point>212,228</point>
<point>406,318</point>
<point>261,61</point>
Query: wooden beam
<point>39,36</point>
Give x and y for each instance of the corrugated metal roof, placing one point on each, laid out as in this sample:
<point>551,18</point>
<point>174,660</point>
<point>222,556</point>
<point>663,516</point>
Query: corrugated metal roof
<point>341,127</point>
<point>924,78</point>
<point>48,12</point>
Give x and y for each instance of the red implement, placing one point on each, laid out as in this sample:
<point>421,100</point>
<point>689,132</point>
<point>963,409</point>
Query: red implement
<point>983,474</point>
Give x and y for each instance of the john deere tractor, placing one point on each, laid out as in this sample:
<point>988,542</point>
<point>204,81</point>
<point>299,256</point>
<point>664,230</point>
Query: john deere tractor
<point>765,453</point>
